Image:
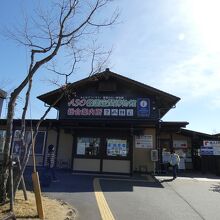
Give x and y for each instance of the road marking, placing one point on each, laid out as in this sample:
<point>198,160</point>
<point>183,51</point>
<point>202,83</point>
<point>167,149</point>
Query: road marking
<point>104,209</point>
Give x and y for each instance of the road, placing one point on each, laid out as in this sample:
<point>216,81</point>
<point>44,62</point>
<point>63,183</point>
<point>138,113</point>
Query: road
<point>125,198</point>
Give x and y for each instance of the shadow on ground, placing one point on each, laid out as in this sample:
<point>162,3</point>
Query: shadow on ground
<point>74,183</point>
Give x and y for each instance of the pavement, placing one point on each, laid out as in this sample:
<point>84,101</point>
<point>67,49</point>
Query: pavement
<point>200,192</point>
<point>115,197</point>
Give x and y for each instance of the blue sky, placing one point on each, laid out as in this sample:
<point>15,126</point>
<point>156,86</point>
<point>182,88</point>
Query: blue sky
<point>170,45</point>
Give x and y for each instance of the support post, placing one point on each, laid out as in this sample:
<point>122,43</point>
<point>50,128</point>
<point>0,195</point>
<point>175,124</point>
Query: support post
<point>37,192</point>
<point>11,184</point>
<point>36,183</point>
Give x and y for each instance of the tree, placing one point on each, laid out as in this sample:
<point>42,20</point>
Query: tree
<point>66,28</point>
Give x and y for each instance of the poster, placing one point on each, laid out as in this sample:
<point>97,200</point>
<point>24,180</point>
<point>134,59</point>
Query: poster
<point>216,150</point>
<point>182,165</point>
<point>81,147</point>
<point>180,143</point>
<point>144,141</point>
<point>116,147</point>
<point>166,157</point>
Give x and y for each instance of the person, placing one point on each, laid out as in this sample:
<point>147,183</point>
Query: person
<point>174,162</point>
<point>51,161</point>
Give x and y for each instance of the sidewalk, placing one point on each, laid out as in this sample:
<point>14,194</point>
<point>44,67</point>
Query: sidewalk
<point>190,174</point>
<point>200,191</point>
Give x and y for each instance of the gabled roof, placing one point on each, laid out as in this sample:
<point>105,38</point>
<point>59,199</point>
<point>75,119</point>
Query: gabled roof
<point>167,124</point>
<point>196,133</point>
<point>172,126</point>
<point>165,100</point>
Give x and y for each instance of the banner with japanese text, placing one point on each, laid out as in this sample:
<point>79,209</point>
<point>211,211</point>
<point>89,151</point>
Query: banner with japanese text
<point>106,107</point>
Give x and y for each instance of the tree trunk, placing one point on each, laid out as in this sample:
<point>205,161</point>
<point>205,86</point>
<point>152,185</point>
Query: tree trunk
<point>10,116</point>
<point>4,172</point>
<point>64,36</point>
<point>3,183</point>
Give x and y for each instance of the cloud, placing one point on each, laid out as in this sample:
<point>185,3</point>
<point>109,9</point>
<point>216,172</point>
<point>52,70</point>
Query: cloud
<point>194,78</point>
<point>215,103</point>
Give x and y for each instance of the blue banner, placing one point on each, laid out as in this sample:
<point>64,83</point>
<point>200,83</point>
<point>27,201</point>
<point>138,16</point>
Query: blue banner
<point>143,107</point>
<point>206,151</point>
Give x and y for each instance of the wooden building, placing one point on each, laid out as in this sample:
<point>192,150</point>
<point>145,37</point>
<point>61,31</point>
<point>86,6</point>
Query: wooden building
<point>110,124</point>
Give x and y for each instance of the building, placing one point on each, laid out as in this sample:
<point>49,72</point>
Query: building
<point>111,124</point>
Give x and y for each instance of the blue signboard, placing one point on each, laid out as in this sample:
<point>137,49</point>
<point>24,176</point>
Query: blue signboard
<point>206,151</point>
<point>143,107</point>
<point>102,107</point>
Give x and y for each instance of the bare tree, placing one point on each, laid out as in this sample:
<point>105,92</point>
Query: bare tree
<point>67,26</point>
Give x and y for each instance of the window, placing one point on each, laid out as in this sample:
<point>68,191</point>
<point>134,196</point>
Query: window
<point>17,143</point>
<point>117,147</point>
<point>88,146</point>
<point>2,140</point>
<point>39,143</point>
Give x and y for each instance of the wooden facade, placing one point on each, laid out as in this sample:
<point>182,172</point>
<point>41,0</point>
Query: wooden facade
<point>111,124</point>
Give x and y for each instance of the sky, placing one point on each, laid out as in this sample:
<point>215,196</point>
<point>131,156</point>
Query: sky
<point>172,45</point>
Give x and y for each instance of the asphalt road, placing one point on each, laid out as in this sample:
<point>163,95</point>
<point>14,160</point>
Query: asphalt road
<point>140,198</point>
